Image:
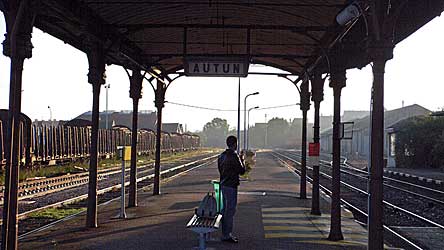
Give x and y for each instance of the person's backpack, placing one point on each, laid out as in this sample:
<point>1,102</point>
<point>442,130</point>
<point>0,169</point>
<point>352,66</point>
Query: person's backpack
<point>207,207</point>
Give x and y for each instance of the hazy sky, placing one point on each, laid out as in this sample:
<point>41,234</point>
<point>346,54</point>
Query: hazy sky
<point>56,76</point>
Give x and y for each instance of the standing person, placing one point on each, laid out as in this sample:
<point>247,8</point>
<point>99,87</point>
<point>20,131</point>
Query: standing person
<point>230,167</point>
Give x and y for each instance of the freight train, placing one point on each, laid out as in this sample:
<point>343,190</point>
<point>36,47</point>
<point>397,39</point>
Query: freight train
<point>47,144</point>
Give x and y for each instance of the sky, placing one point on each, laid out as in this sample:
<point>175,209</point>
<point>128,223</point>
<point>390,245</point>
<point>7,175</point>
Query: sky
<point>56,77</point>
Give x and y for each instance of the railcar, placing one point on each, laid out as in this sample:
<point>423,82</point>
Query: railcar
<point>45,144</point>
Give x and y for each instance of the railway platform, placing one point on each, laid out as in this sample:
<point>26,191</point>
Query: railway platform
<point>424,174</point>
<point>269,216</point>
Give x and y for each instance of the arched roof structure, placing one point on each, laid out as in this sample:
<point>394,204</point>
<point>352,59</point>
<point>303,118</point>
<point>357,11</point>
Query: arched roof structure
<point>159,35</point>
<point>289,35</point>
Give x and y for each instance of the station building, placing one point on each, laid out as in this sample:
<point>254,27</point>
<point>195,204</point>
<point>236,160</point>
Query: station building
<point>147,118</point>
<point>358,147</point>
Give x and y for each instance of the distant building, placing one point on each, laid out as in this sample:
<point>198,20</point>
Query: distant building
<point>172,128</point>
<point>359,145</point>
<point>326,122</point>
<point>147,119</point>
<point>438,113</point>
<point>53,122</point>
<point>350,115</point>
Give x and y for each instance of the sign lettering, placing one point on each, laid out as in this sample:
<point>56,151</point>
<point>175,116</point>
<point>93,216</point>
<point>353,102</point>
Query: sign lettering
<point>216,67</point>
<point>313,153</point>
<point>313,149</point>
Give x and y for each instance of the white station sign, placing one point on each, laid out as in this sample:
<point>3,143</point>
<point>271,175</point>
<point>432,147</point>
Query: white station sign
<point>227,67</point>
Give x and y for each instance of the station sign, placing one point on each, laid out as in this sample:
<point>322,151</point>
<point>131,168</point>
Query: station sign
<point>124,153</point>
<point>313,149</point>
<point>313,153</point>
<point>222,67</point>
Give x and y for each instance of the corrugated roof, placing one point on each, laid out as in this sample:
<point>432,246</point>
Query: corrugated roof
<point>390,117</point>
<point>286,34</point>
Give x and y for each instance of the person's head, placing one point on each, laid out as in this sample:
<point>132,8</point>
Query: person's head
<point>232,142</point>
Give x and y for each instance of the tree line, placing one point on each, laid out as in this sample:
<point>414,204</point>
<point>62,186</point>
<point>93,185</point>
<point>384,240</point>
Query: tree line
<point>277,132</point>
<point>419,142</point>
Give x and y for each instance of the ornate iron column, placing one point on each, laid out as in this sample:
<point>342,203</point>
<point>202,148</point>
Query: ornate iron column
<point>337,82</point>
<point>380,53</point>
<point>380,50</point>
<point>17,46</point>
<point>317,89</point>
<point>305,106</point>
<point>96,76</point>
<point>136,80</point>
<point>160,103</point>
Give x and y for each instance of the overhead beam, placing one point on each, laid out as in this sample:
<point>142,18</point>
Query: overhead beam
<point>74,14</point>
<point>272,55</point>
<point>230,43</point>
<point>225,3</point>
<point>293,28</point>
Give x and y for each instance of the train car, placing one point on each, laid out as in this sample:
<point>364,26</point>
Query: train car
<point>195,141</point>
<point>187,141</point>
<point>45,144</point>
<point>146,141</point>
<point>24,140</point>
<point>165,141</point>
<point>2,153</point>
<point>176,141</point>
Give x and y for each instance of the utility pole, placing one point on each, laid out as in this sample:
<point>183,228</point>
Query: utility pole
<point>266,130</point>
<point>248,125</point>
<point>50,115</point>
<point>106,108</point>
<point>245,118</point>
<point>238,117</point>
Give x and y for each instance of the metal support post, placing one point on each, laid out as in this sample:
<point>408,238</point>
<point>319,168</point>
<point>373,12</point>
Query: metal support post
<point>106,107</point>
<point>317,97</point>
<point>135,94</point>
<point>337,82</point>
<point>10,205</point>
<point>265,132</point>
<point>376,193</point>
<point>305,106</point>
<point>245,119</point>
<point>96,77</point>
<point>122,187</point>
<point>18,47</point>
<point>238,117</point>
<point>160,102</point>
<point>245,124</point>
<point>248,126</point>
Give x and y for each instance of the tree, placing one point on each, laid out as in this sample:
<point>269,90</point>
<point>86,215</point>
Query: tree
<point>419,142</point>
<point>277,132</point>
<point>215,133</point>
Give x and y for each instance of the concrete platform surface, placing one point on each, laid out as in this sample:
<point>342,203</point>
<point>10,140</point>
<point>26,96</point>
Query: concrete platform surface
<point>426,173</point>
<point>269,216</point>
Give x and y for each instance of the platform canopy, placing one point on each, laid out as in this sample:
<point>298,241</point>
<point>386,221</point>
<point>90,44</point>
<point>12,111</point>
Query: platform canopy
<point>290,35</point>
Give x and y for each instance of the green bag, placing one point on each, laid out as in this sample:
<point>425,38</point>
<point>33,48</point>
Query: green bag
<point>218,195</point>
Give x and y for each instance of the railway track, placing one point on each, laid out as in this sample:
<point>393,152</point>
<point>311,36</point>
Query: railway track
<point>111,193</point>
<point>52,192</point>
<point>423,193</point>
<point>404,208</point>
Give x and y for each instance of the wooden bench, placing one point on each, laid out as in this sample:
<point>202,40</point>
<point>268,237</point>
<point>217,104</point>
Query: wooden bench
<point>204,226</point>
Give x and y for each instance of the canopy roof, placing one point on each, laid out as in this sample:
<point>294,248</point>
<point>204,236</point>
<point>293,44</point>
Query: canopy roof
<point>286,34</point>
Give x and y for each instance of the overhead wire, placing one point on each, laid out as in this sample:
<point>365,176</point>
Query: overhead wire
<point>227,110</point>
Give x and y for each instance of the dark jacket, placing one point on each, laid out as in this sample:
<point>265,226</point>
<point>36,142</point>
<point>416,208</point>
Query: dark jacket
<point>230,167</point>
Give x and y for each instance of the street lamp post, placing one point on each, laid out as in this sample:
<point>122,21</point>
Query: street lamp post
<point>248,125</point>
<point>106,106</point>
<point>238,117</point>
<point>245,117</point>
<point>50,114</point>
<point>265,133</point>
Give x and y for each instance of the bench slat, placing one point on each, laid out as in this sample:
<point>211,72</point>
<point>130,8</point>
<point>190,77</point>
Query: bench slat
<point>196,221</point>
<point>192,221</point>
